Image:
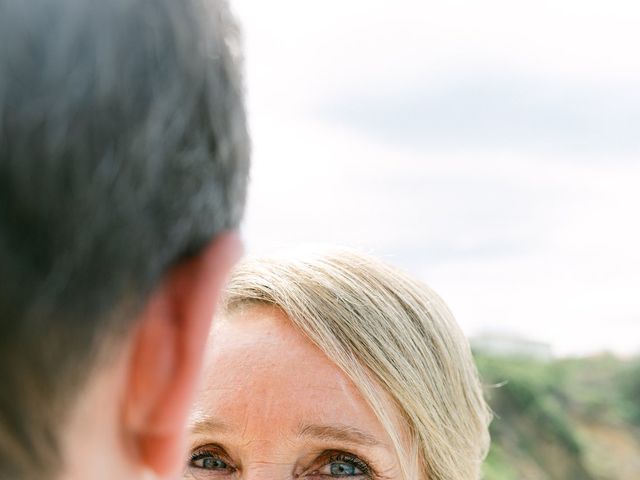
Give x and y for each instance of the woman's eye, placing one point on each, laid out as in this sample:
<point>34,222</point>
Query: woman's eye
<point>343,467</point>
<point>208,461</point>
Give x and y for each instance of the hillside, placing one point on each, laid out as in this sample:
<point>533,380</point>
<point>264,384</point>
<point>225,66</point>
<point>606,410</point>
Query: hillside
<point>569,419</point>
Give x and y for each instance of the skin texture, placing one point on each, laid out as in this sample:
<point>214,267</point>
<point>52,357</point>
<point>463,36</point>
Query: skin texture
<point>272,406</point>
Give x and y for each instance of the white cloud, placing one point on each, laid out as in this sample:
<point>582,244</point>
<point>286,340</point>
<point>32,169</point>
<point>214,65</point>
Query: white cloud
<point>308,49</point>
<point>540,241</point>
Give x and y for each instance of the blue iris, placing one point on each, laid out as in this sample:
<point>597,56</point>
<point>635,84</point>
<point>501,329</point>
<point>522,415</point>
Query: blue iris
<point>213,463</point>
<point>343,469</point>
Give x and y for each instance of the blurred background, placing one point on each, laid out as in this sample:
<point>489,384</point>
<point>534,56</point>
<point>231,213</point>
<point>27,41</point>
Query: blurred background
<point>493,150</point>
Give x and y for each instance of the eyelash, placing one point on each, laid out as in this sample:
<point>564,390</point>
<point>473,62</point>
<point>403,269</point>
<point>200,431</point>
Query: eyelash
<point>209,452</point>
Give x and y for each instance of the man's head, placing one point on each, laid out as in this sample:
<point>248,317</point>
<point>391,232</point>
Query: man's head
<point>123,167</point>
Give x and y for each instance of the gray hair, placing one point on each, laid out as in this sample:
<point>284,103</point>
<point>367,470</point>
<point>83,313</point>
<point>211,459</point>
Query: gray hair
<point>123,150</point>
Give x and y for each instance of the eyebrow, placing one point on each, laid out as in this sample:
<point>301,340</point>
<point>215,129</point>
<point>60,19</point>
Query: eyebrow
<point>339,433</point>
<point>208,424</point>
<point>335,432</point>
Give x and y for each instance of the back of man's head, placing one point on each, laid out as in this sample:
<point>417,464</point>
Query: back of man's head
<point>123,154</point>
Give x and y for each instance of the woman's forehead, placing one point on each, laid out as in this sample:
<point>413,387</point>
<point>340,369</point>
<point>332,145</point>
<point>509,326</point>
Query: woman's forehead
<point>261,343</point>
<point>260,366</point>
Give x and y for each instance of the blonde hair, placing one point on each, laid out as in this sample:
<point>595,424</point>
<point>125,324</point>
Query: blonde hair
<point>383,329</point>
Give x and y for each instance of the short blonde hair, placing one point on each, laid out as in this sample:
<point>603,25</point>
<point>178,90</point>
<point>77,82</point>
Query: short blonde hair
<point>383,329</point>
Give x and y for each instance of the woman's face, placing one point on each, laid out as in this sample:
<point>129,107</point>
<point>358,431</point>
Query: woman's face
<point>273,407</point>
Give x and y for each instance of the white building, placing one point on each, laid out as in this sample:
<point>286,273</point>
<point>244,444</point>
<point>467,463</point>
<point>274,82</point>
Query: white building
<point>508,344</point>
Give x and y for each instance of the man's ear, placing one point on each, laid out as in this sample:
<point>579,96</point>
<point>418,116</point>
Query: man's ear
<point>167,353</point>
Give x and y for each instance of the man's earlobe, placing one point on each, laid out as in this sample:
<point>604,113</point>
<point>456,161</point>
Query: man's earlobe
<point>167,353</point>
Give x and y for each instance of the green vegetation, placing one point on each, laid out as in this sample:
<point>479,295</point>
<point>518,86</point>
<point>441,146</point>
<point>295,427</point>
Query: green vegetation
<point>565,419</point>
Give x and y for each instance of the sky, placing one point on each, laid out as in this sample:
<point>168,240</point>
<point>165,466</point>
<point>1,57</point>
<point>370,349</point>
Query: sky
<point>490,148</point>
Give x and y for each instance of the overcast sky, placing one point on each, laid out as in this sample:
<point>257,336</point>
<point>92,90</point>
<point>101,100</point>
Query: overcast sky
<point>491,148</point>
